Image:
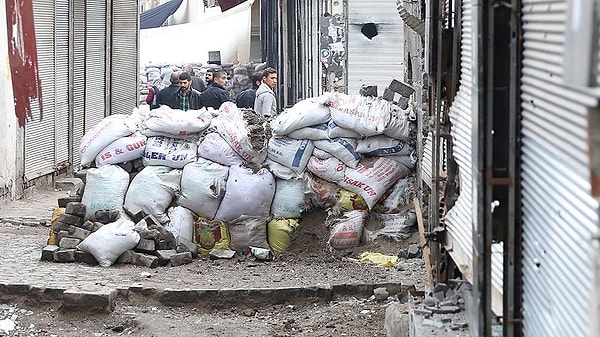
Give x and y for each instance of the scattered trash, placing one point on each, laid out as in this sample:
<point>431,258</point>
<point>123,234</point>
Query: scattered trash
<point>378,259</point>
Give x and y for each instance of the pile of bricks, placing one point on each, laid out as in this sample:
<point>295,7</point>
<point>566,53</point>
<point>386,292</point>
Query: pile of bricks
<point>157,245</point>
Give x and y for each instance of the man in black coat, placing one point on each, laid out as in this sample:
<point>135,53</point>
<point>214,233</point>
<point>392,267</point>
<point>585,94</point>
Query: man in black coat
<point>167,95</point>
<point>245,99</point>
<point>215,94</point>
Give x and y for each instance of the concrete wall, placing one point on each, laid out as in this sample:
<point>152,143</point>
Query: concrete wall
<point>11,135</point>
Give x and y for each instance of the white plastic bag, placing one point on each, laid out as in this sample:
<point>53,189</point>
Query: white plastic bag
<point>181,224</point>
<point>203,187</point>
<point>289,200</point>
<point>111,241</point>
<point>105,189</point>
<point>153,189</point>
<point>346,231</point>
<point>247,231</point>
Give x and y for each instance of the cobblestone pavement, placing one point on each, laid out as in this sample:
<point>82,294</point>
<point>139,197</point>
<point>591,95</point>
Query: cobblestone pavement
<point>22,243</point>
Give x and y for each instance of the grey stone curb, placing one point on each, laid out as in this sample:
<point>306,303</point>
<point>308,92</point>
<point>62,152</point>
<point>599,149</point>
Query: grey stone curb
<point>103,299</point>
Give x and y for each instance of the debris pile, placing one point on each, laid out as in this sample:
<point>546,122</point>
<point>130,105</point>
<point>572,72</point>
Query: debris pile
<point>164,185</point>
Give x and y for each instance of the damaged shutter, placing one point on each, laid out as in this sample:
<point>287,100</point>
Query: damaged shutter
<point>124,94</point>
<point>95,70</point>
<point>78,76</point>
<point>39,132</point>
<point>61,80</point>
<point>375,44</point>
<point>559,214</point>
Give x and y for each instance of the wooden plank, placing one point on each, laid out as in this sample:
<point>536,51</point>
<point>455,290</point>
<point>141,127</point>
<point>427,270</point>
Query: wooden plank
<point>425,248</point>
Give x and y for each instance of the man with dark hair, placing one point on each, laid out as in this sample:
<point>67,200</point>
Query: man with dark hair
<point>215,94</point>
<point>265,103</point>
<point>197,82</point>
<point>246,98</point>
<point>167,95</point>
<point>187,97</point>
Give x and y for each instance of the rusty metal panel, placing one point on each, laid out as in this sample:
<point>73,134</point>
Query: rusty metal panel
<point>378,59</point>
<point>558,212</point>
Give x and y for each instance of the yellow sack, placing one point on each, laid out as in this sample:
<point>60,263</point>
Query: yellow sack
<point>350,201</point>
<point>379,259</point>
<point>56,213</point>
<point>280,233</point>
<point>209,235</point>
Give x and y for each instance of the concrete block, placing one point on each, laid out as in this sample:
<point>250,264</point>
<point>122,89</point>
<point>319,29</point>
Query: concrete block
<point>85,257</point>
<point>62,202</point>
<point>87,225</point>
<point>149,234</point>
<point>388,95</point>
<point>70,219</point>
<point>381,294</point>
<point>146,246</point>
<point>81,174</point>
<point>181,258</point>
<point>106,216</point>
<point>97,226</point>
<point>140,259</point>
<point>368,89</point>
<point>76,208</point>
<point>68,243</point>
<point>152,221</point>
<point>48,252</point>
<point>165,244</point>
<point>164,256</point>
<point>64,255</point>
<point>61,226</point>
<point>127,166</point>
<point>126,258</point>
<point>397,323</point>
<point>414,251</point>
<point>432,323</point>
<point>401,88</point>
<point>68,184</point>
<point>79,233</point>
<point>221,254</point>
<point>134,213</point>
<point>102,300</point>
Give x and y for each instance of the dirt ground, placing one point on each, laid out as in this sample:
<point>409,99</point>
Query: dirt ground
<point>343,316</point>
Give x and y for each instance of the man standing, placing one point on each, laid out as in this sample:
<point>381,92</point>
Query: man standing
<point>167,95</point>
<point>265,103</point>
<point>187,97</point>
<point>197,82</point>
<point>246,98</point>
<point>215,94</point>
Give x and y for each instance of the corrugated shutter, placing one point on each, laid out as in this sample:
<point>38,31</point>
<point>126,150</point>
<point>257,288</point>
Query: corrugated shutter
<point>559,214</point>
<point>61,80</point>
<point>39,152</point>
<point>124,61</point>
<point>95,67</point>
<point>459,219</point>
<point>78,76</point>
<point>377,60</point>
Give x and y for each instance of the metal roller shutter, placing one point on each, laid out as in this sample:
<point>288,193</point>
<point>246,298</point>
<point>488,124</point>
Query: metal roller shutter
<point>78,76</point>
<point>124,59</point>
<point>61,80</point>
<point>559,213</point>
<point>95,67</point>
<point>380,59</point>
<point>39,152</point>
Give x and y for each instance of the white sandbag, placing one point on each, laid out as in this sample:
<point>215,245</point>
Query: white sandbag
<point>313,132</point>
<point>214,147</point>
<point>246,231</point>
<point>310,111</point>
<point>398,226</point>
<point>281,171</point>
<point>347,230</point>
<point>153,189</point>
<point>123,149</point>
<point>247,193</point>
<point>171,152</point>
<point>135,121</point>
<point>330,169</point>
<point>321,154</point>
<point>110,241</point>
<point>101,135</point>
<point>234,130</point>
<point>105,189</point>
<point>203,187</point>
<point>341,148</point>
<point>372,177</point>
<point>289,200</point>
<point>399,124</point>
<point>409,160</point>
<point>181,224</point>
<point>176,123</point>
<point>292,153</point>
<point>336,131</point>
<point>369,116</point>
<point>383,146</point>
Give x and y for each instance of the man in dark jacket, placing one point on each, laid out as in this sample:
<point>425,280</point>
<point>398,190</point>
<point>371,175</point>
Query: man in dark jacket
<point>197,82</point>
<point>245,99</point>
<point>167,95</point>
<point>187,97</point>
<point>215,94</point>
